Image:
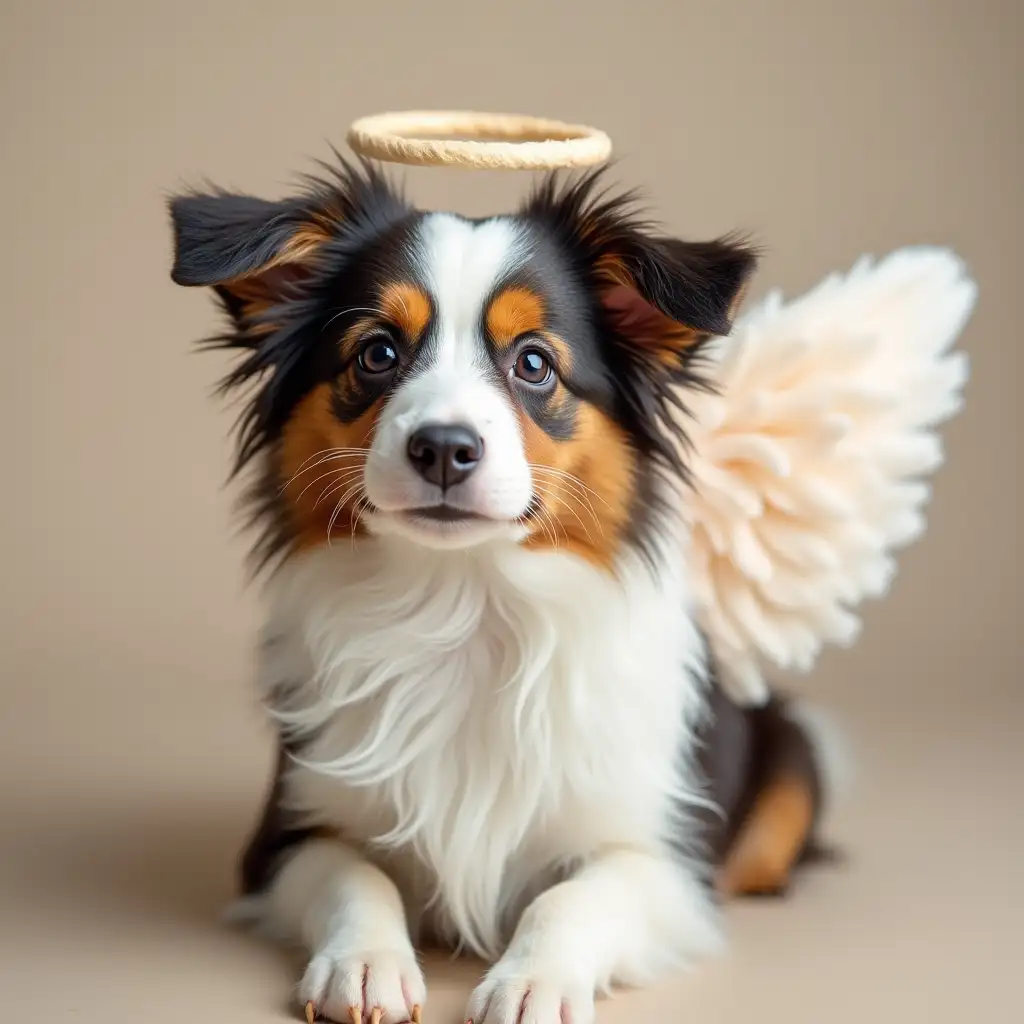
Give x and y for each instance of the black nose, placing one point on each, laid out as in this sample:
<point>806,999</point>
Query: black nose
<point>445,454</point>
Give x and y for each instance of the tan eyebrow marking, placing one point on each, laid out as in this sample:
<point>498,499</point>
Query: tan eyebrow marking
<point>408,307</point>
<point>515,311</point>
<point>402,305</point>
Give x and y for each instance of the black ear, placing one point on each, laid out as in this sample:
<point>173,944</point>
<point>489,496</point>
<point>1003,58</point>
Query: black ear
<point>696,284</point>
<point>662,294</point>
<point>220,237</point>
<point>252,251</point>
<point>256,252</point>
<point>656,300</point>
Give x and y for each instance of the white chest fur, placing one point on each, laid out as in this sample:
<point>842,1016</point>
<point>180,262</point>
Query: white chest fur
<point>485,715</point>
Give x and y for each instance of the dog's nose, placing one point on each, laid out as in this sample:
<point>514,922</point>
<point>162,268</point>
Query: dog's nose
<point>445,454</point>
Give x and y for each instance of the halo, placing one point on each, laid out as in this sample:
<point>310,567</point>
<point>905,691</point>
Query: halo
<point>439,138</point>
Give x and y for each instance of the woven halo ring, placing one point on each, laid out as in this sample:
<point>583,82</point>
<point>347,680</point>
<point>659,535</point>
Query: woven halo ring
<point>486,141</point>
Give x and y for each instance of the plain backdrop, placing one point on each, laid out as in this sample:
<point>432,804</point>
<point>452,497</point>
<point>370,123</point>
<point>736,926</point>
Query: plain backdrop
<point>131,756</point>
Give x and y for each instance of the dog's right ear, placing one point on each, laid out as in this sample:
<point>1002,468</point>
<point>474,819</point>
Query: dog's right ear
<point>257,253</point>
<point>254,252</point>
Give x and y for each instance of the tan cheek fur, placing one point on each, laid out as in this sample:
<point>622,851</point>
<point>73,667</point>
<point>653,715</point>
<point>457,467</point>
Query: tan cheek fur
<point>323,491</point>
<point>588,515</point>
<point>312,486</point>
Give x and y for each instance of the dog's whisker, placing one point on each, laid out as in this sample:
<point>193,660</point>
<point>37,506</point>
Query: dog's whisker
<point>330,451</point>
<point>548,523</point>
<point>346,472</point>
<point>352,492</point>
<point>558,523</point>
<point>581,497</point>
<point>339,507</point>
<point>338,456</point>
<point>585,506</point>
<point>333,488</point>
<point>571,488</point>
<point>335,456</point>
<point>351,309</point>
<point>561,474</point>
<point>362,507</point>
<point>563,494</point>
<point>571,510</point>
<point>569,478</point>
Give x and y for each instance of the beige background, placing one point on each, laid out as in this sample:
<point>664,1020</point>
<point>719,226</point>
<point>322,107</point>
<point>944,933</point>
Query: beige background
<point>130,754</point>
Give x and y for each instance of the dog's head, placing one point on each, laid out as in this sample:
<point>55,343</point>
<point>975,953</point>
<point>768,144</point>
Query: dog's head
<point>456,381</point>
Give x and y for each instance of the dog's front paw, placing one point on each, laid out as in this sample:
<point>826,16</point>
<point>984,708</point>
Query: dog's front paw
<point>531,992</point>
<point>382,987</point>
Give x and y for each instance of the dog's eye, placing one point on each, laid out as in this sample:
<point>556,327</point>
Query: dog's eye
<point>533,367</point>
<point>378,356</point>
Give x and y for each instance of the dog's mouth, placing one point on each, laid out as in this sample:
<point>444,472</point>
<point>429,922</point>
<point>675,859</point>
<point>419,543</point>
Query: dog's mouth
<point>444,514</point>
<point>446,527</point>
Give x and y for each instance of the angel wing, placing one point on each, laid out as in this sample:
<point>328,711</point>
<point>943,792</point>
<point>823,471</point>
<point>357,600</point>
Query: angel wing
<point>809,464</point>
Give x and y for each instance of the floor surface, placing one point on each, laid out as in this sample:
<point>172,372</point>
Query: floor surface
<point>119,833</point>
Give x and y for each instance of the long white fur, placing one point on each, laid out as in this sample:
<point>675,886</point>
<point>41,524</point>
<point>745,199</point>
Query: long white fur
<point>498,733</point>
<point>479,721</point>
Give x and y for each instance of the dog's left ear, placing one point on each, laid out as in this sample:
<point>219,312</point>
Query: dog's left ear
<point>665,295</point>
<point>662,295</point>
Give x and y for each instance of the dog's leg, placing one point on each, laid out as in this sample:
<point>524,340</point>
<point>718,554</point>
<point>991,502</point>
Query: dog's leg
<point>624,917</point>
<point>348,914</point>
<point>774,771</point>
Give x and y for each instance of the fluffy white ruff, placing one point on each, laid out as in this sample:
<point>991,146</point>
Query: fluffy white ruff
<point>808,464</point>
<point>479,721</point>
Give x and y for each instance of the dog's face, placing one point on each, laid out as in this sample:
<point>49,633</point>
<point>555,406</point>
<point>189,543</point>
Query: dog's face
<point>449,380</point>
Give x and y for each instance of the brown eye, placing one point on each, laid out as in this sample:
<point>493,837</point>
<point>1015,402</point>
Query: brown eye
<point>533,367</point>
<point>378,356</point>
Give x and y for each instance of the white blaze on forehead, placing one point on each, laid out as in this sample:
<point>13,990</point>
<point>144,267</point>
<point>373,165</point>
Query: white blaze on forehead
<point>453,380</point>
<point>462,263</point>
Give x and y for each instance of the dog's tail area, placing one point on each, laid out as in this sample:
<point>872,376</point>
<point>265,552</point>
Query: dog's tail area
<point>799,767</point>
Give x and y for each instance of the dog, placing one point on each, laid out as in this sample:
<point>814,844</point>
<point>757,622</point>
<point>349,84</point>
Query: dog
<point>499,726</point>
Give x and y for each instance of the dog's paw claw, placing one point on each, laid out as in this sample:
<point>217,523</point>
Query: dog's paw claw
<point>515,993</point>
<point>374,988</point>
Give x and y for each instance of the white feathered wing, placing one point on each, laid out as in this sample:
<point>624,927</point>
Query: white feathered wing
<point>808,465</point>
